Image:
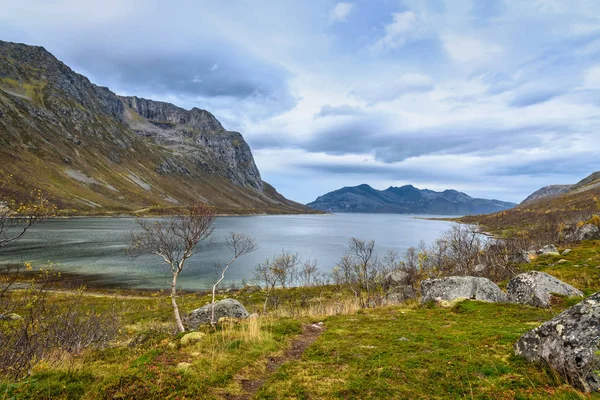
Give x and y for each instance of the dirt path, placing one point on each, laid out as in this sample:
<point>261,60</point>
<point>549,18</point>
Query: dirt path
<point>309,334</point>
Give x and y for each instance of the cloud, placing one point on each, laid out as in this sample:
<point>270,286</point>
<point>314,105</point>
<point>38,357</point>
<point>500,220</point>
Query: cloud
<point>393,89</point>
<point>334,111</point>
<point>533,97</point>
<point>340,12</point>
<point>464,49</point>
<point>591,77</point>
<point>397,33</point>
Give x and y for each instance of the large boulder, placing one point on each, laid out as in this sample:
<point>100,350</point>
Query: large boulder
<point>225,308</point>
<point>396,277</point>
<point>568,343</point>
<point>535,288</point>
<point>586,232</point>
<point>456,287</point>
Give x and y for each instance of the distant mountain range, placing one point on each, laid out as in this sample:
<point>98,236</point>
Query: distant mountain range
<point>93,152</point>
<point>406,200</point>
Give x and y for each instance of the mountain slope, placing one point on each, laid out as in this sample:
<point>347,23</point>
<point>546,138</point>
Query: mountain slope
<point>547,191</point>
<point>579,203</point>
<point>94,152</point>
<point>406,199</point>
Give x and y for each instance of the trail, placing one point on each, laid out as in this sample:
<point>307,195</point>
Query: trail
<point>309,334</point>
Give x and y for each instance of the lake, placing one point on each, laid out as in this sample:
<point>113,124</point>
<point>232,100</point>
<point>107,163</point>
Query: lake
<point>97,245</point>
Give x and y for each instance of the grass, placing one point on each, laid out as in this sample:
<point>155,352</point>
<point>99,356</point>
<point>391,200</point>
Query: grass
<point>406,351</point>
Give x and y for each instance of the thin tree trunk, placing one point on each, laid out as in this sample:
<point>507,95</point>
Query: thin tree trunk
<point>174,302</point>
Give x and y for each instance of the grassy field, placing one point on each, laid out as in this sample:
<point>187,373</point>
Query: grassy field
<point>405,351</point>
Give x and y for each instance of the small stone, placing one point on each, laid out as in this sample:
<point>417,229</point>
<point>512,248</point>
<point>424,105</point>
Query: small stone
<point>403,339</point>
<point>191,337</point>
<point>562,261</point>
<point>566,251</point>
<point>183,365</point>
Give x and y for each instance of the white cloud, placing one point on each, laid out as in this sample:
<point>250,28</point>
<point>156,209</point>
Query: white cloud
<point>398,32</point>
<point>340,12</point>
<point>591,78</point>
<point>395,88</point>
<point>464,48</point>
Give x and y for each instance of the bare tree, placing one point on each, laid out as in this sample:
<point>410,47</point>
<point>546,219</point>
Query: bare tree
<point>16,220</point>
<point>309,273</point>
<point>240,245</point>
<point>278,272</point>
<point>175,240</point>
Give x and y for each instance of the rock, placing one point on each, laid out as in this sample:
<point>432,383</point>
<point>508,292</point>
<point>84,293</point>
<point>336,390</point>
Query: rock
<point>586,232</point>
<point>535,288</point>
<point>549,250</point>
<point>568,343</point>
<point>399,294</point>
<point>520,257</point>
<point>562,261</point>
<point>228,320</point>
<point>10,317</point>
<point>183,365</point>
<point>253,316</point>
<point>397,277</point>
<point>456,287</point>
<point>191,337</point>
<point>565,252</point>
<point>224,308</point>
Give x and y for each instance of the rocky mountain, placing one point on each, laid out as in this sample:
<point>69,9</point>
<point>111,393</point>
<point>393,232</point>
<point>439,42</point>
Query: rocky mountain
<point>547,191</point>
<point>406,199</point>
<point>92,151</point>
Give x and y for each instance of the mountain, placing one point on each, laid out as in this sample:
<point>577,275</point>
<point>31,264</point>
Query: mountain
<point>547,191</point>
<point>406,200</point>
<point>578,203</point>
<point>94,152</point>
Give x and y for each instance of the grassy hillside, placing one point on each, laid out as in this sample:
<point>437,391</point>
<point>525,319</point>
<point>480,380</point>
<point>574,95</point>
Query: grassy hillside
<point>580,203</point>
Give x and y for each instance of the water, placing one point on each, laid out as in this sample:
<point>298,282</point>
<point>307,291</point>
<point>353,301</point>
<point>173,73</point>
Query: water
<point>97,245</point>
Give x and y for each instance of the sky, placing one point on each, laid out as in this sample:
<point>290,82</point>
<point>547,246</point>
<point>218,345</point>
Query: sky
<point>495,98</point>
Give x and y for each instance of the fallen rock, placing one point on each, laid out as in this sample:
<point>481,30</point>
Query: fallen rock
<point>224,308</point>
<point>565,252</point>
<point>549,250</point>
<point>568,343</point>
<point>456,287</point>
<point>535,288</point>
<point>191,337</point>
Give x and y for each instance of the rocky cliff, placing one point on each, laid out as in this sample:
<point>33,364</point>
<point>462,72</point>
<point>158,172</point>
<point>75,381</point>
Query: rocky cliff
<point>95,152</point>
<point>406,199</point>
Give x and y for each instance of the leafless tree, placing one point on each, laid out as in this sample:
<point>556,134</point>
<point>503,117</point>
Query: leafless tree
<point>240,245</point>
<point>16,220</point>
<point>309,273</point>
<point>175,239</point>
<point>277,272</point>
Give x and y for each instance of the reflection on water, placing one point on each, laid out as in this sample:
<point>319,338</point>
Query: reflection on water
<point>97,245</point>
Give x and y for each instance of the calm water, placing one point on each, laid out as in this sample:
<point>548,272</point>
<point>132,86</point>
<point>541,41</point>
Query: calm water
<point>97,245</point>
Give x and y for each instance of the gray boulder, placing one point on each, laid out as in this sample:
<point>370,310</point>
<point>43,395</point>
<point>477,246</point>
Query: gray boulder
<point>568,343</point>
<point>401,293</point>
<point>549,250</point>
<point>397,277</point>
<point>230,308</point>
<point>535,288</point>
<point>586,232</point>
<point>456,287</point>
<point>520,257</point>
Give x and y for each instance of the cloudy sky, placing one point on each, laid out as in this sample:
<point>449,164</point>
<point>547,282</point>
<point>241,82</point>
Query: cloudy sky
<point>492,97</point>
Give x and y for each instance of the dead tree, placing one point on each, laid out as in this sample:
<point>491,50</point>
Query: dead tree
<point>175,239</point>
<point>240,245</point>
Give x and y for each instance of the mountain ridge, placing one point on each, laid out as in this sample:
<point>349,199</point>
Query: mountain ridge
<point>406,199</point>
<point>93,152</point>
